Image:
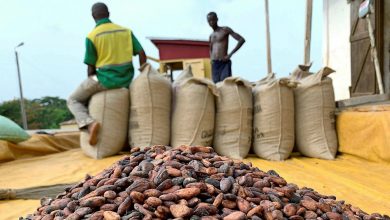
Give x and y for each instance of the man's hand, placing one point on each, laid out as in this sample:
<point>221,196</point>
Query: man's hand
<point>238,38</point>
<point>91,70</point>
<point>226,58</point>
<point>142,57</point>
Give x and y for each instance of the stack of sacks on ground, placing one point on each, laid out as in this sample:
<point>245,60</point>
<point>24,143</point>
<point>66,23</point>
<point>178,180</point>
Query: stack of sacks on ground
<point>193,110</point>
<point>150,111</point>
<point>233,120</point>
<point>191,183</point>
<point>273,118</point>
<point>111,109</point>
<point>315,106</point>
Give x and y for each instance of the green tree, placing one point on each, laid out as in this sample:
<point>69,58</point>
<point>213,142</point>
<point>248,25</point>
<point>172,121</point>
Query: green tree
<point>44,113</point>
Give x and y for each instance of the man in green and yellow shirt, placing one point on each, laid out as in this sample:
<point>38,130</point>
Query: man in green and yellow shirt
<point>109,53</point>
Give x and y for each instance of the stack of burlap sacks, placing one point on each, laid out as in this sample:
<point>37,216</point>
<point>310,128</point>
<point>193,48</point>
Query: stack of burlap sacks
<point>296,111</point>
<point>271,116</point>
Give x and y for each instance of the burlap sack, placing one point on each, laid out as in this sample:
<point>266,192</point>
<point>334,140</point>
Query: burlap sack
<point>302,71</point>
<point>273,124</point>
<point>315,116</point>
<point>193,111</point>
<point>111,109</point>
<point>150,111</point>
<point>233,120</point>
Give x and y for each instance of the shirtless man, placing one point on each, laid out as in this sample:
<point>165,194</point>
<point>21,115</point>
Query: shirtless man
<point>219,42</point>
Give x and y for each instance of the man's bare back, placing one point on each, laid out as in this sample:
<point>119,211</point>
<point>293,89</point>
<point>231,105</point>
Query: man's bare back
<point>219,42</point>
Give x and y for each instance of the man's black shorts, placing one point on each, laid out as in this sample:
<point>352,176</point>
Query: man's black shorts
<point>221,70</point>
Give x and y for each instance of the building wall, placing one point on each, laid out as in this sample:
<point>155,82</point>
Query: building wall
<point>336,45</point>
<point>386,49</point>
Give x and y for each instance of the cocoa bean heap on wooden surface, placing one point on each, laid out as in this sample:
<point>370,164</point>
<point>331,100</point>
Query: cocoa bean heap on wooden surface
<point>191,183</point>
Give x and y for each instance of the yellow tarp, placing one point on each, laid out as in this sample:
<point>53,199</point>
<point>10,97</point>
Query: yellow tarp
<point>38,145</point>
<point>357,181</point>
<point>365,132</point>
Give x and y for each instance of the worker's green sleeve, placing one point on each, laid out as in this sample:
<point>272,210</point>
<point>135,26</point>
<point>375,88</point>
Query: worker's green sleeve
<point>90,53</point>
<point>136,45</point>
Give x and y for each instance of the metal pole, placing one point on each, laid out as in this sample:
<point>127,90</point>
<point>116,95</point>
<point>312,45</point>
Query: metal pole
<point>309,12</point>
<point>326,36</point>
<point>268,36</point>
<point>22,110</point>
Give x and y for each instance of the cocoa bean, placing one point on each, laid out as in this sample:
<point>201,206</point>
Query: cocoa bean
<point>296,217</point>
<point>174,172</point>
<point>310,215</point>
<point>193,202</point>
<point>277,214</point>
<point>124,206</point>
<point>166,184</point>
<point>309,204</point>
<point>218,200</point>
<point>109,215</point>
<point>235,216</point>
<point>290,210</point>
<point>171,190</point>
<point>82,211</point>
<point>213,182</point>
<point>225,184</point>
<point>137,197</point>
<point>301,210</point>
<point>109,194</point>
<point>138,185</point>
<point>169,197</point>
<point>200,185</point>
<point>123,182</point>
<point>191,183</point>
<point>93,202</point>
<point>118,200</point>
<point>152,193</point>
<point>324,207</point>
<point>111,181</point>
<point>254,211</point>
<point>243,205</point>
<point>73,216</point>
<point>153,201</point>
<point>123,194</point>
<point>180,211</point>
<point>83,192</point>
<point>334,216</point>
<point>72,206</point>
<point>109,207</point>
<point>101,190</point>
<point>178,180</point>
<point>187,193</point>
<point>229,204</point>
<point>147,214</point>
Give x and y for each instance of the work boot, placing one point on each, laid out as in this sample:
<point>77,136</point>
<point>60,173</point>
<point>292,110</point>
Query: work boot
<point>93,130</point>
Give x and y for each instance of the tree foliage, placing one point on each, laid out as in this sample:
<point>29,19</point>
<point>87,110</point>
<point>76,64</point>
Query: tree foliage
<point>44,113</point>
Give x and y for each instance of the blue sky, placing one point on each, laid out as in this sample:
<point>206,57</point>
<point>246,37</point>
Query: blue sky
<point>54,33</point>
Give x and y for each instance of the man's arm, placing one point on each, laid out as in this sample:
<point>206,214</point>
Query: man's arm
<point>240,40</point>
<point>91,70</point>
<point>138,50</point>
<point>142,57</point>
<point>90,57</point>
<point>210,46</point>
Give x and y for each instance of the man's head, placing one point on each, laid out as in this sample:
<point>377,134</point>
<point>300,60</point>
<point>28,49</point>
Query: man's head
<point>212,19</point>
<point>100,11</point>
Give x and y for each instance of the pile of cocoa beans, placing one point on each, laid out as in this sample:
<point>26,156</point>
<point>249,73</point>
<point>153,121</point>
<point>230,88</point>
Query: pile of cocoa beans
<point>190,183</point>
